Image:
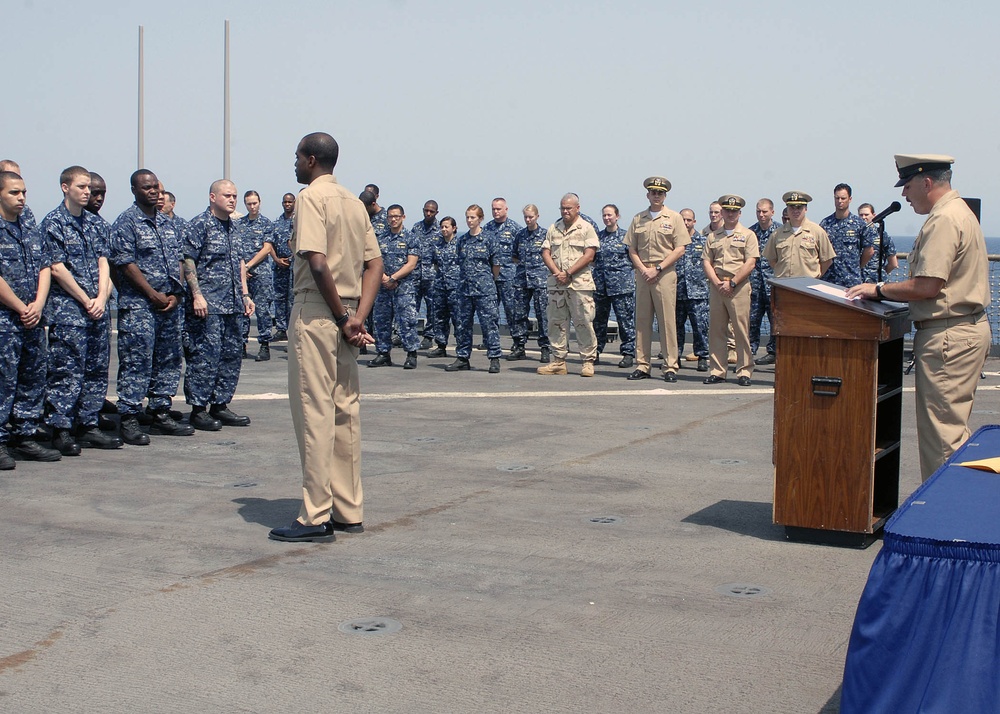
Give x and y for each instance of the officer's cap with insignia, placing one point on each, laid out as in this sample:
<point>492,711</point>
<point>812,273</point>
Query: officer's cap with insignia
<point>656,182</point>
<point>796,198</point>
<point>909,165</point>
<point>731,202</point>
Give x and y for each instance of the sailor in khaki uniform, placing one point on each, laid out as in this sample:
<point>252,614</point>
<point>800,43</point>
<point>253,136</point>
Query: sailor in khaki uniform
<point>730,255</point>
<point>799,248</point>
<point>655,240</point>
<point>948,292</point>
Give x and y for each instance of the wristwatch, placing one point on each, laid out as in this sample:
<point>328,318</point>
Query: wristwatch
<point>659,268</point>
<point>878,291</point>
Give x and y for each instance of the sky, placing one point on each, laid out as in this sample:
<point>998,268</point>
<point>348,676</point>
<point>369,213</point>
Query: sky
<point>463,101</point>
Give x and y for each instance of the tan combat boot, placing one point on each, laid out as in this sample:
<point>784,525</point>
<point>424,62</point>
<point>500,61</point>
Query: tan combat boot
<point>587,370</point>
<point>554,367</point>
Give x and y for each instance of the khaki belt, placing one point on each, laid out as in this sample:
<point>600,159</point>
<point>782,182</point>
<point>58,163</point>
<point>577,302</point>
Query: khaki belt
<point>316,297</point>
<point>950,321</point>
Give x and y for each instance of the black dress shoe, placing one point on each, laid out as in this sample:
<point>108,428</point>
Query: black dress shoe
<point>494,365</point>
<point>626,361</point>
<point>516,353</point>
<point>300,533</point>
<point>546,355</point>
<point>459,365</point>
<point>381,360</point>
<point>166,425</point>
<point>438,351</point>
<point>131,433</point>
<point>411,361</point>
<point>263,354</point>
<point>638,374</point>
<point>222,413</point>
<point>425,344</point>
<point>63,442</point>
<point>670,377</point>
<point>93,438</point>
<point>702,364</point>
<point>347,527</point>
<point>714,379</point>
<point>743,381</point>
<point>6,460</point>
<point>204,421</point>
<point>31,450</point>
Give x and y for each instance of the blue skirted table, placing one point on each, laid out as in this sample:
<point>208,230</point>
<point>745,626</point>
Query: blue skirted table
<point>926,636</point>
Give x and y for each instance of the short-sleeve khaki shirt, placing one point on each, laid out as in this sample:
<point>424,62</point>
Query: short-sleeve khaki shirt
<point>331,220</point>
<point>950,246</point>
<point>798,254</point>
<point>567,245</point>
<point>728,253</point>
<point>653,239</point>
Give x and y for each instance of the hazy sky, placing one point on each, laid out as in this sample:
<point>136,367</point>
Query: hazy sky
<point>464,101</point>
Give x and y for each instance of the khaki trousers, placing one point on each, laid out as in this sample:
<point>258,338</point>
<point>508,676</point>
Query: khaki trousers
<point>948,362</point>
<point>722,311</point>
<point>323,393</point>
<point>577,305</point>
<point>659,299</point>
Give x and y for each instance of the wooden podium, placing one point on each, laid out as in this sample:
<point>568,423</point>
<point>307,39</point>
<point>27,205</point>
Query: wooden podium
<point>838,395</point>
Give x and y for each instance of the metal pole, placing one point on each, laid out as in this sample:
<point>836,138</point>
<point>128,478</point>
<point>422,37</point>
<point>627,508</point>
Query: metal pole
<point>225,131</point>
<point>140,154</point>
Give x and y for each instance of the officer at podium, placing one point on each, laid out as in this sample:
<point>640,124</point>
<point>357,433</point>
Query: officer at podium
<point>948,292</point>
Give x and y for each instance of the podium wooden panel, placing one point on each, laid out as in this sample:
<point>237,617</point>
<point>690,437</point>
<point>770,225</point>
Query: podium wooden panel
<point>837,412</point>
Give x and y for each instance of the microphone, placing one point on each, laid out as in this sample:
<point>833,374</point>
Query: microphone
<point>893,207</point>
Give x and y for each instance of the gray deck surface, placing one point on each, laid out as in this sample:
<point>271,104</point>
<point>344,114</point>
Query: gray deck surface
<point>142,580</point>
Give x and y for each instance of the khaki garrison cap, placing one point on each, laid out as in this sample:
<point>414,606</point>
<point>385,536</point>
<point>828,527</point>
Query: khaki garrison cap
<point>657,182</point>
<point>909,165</point>
<point>796,198</point>
<point>731,202</point>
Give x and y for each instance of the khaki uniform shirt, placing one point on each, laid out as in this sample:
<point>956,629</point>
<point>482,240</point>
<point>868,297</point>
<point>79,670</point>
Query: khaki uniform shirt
<point>950,246</point>
<point>728,253</point>
<point>567,245</point>
<point>798,255</point>
<point>653,239</point>
<point>331,220</point>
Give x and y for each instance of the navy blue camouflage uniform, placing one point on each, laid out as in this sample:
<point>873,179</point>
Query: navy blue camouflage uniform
<point>760,291</point>
<point>214,342</point>
<point>380,224</point>
<point>614,287</point>
<point>149,339</point>
<point>692,297</point>
<point>280,234</point>
<point>476,256</point>
<point>447,290</point>
<point>427,237</point>
<point>850,237</point>
<point>23,353</point>
<point>870,271</point>
<point>502,234</point>
<point>260,278</point>
<point>532,276</point>
<point>79,346</point>
<point>399,304</point>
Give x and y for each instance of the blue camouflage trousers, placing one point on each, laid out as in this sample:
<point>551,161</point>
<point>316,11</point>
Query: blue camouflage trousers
<point>760,305</point>
<point>261,289</point>
<point>485,306</point>
<point>149,358</point>
<point>22,382</point>
<point>214,359</point>
<point>539,299</point>
<point>447,313</point>
<point>77,382</point>
<point>425,293</point>
<point>695,312</point>
<point>399,305</point>
<point>509,295</point>
<point>624,306</point>
<point>282,297</point>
